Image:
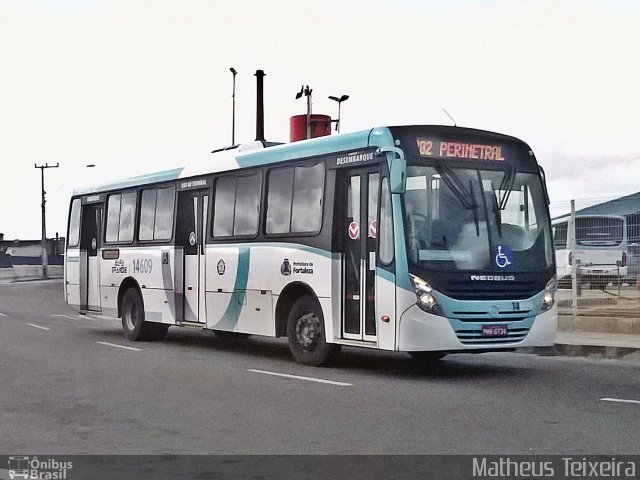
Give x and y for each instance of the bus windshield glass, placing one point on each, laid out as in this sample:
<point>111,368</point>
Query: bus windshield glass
<point>474,219</point>
<point>599,231</point>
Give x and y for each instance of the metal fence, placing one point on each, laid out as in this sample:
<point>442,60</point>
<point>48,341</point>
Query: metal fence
<point>597,245</point>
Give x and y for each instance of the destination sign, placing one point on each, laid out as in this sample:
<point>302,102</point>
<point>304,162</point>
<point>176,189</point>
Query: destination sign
<point>351,159</point>
<point>92,199</point>
<point>436,148</point>
<point>202,182</point>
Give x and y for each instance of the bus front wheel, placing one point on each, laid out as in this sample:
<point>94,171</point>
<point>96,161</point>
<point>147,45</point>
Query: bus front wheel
<point>133,323</point>
<point>306,333</point>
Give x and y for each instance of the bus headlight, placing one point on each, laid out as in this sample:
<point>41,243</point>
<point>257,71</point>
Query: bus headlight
<point>549,294</point>
<point>425,296</point>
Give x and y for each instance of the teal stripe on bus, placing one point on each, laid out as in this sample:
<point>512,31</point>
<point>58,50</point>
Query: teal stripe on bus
<point>329,145</point>
<point>229,319</point>
<point>292,246</point>
<point>156,177</point>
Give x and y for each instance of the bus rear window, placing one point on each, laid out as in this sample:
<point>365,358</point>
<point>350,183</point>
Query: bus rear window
<point>599,231</point>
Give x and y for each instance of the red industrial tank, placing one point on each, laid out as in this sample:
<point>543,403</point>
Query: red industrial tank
<point>320,127</point>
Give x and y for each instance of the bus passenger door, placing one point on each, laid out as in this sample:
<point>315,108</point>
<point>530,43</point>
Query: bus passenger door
<point>359,233</point>
<point>91,226</point>
<point>191,235</point>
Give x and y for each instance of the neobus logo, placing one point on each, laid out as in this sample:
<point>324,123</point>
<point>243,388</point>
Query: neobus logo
<point>493,278</point>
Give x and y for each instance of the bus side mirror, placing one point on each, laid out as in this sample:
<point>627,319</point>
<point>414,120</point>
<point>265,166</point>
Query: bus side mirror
<point>397,169</point>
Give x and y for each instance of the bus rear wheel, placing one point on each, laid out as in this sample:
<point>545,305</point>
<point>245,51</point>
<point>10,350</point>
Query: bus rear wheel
<point>133,323</point>
<point>306,333</point>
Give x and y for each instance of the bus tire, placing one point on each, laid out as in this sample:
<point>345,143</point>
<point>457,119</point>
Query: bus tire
<point>306,333</point>
<point>133,323</point>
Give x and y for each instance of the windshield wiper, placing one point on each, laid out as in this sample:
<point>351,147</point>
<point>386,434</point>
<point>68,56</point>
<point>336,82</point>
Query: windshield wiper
<point>467,198</point>
<point>475,210</point>
<point>456,186</point>
<point>505,187</point>
<point>497,216</point>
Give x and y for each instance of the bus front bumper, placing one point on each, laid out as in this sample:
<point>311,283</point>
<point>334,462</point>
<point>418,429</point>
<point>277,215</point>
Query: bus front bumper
<point>421,331</point>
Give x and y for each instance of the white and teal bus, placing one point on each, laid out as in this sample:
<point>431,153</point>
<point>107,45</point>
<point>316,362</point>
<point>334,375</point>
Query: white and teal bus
<point>600,252</point>
<point>421,239</point>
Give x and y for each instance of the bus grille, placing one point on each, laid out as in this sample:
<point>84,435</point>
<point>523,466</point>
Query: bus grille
<point>467,290</point>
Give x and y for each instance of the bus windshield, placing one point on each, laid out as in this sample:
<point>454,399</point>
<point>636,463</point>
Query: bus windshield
<point>599,231</point>
<point>470,219</point>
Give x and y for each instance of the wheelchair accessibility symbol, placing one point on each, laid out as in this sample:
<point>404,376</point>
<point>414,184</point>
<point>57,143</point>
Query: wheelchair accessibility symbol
<point>503,256</point>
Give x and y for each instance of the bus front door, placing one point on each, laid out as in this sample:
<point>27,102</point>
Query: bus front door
<point>89,262</point>
<point>359,254</point>
<point>190,237</point>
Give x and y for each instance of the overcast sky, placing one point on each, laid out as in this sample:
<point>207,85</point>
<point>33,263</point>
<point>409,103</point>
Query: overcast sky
<point>138,86</point>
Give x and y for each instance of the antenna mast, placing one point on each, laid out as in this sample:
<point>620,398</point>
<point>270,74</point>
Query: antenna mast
<point>233,111</point>
<point>454,122</point>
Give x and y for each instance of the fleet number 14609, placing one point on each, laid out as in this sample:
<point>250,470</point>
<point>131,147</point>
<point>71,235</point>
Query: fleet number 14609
<point>142,265</point>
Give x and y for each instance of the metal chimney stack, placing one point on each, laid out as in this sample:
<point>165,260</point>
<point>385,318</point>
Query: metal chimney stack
<point>260,106</point>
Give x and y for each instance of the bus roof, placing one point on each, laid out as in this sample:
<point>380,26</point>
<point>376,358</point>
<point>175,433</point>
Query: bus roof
<point>255,154</point>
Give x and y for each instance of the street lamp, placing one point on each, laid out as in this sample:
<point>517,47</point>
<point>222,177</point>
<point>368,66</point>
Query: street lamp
<point>339,100</point>
<point>45,260</point>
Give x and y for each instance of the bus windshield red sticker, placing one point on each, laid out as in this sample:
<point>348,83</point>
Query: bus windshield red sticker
<point>373,229</point>
<point>354,230</point>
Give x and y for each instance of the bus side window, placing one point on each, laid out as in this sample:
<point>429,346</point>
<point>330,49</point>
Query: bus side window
<point>74,223</point>
<point>237,205</point>
<point>121,213</point>
<point>156,214</point>
<point>294,199</point>
<point>386,225</point>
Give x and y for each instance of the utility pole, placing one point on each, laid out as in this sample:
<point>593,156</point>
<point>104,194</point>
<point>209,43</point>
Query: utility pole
<point>45,261</point>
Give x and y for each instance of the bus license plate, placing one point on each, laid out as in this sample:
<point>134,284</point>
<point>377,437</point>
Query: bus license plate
<point>494,331</point>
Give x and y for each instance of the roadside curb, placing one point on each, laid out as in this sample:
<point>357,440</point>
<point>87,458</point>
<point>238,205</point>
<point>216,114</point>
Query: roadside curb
<point>587,351</point>
<point>625,322</point>
<point>590,344</point>
<point>11,281</point>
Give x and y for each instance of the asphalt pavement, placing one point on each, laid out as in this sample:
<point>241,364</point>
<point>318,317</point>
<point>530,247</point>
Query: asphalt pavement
<point>72,384</point>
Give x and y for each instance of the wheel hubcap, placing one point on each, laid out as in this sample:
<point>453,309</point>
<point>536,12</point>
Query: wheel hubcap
<point>308,331</point>
<point>131,316</point>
